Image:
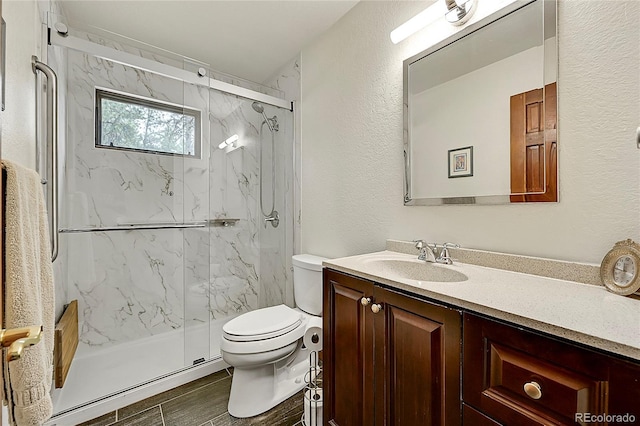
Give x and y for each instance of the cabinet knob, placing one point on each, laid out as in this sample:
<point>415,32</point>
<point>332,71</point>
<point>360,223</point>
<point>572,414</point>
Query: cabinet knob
<point>533,390</point>
<point>365,301</point>
<point>376,307</point>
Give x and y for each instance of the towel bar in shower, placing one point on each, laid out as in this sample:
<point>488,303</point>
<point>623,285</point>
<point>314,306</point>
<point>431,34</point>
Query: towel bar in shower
<point>51,147</point>
<point>136,227</point>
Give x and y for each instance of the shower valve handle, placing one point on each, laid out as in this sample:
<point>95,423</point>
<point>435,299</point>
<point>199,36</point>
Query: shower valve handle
<point>274,218</point>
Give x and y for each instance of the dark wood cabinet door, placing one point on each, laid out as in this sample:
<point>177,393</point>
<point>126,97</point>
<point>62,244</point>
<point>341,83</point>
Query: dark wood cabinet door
<point>417,362</point>
<point>347,351</point>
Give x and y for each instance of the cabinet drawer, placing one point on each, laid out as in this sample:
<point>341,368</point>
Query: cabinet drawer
<point>561,380</point>
<point>538,389</point>
<point>473,417</point>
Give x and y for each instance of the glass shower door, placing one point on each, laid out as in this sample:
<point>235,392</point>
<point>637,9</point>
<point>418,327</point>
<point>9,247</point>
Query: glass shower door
<point>163,233</point>
<point>129,216</point>
<point>248,255</point>
<point>196,241</point>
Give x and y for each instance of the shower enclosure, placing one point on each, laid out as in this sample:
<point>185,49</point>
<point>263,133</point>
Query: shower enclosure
<point>162,235</point>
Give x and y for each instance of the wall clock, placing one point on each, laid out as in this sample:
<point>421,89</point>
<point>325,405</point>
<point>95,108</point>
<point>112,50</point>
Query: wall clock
<point>620,267</point>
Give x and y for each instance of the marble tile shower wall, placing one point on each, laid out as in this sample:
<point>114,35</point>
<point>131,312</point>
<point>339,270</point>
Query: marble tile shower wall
<point>236,177</point>
<point>133,284</point>
<point>287,80</point>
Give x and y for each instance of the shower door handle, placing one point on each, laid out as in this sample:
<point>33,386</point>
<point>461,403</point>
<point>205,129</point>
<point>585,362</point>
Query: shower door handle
<point>52,146</point>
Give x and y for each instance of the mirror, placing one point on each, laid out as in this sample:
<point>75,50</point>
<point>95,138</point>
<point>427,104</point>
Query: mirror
<point>480,112</point>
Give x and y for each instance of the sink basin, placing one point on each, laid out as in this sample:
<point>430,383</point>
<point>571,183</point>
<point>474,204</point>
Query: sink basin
<point>417,270</point>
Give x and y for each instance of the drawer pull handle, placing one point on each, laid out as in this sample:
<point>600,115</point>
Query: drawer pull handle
<point>533,390</point>
<point>376,307</point>
<point>365,301</point>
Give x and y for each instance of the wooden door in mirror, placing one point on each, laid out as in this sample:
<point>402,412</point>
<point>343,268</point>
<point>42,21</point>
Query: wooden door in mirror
<point>534,145</point>
<point>1,204</point>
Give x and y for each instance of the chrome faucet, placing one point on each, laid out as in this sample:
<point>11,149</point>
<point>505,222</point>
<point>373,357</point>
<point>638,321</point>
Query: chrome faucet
<point>429,252</point>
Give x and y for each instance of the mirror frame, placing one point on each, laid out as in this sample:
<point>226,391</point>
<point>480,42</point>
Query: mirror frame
<point>465,31</point>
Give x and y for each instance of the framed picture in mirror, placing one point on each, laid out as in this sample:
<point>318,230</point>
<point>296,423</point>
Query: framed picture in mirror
<point>461,162</point>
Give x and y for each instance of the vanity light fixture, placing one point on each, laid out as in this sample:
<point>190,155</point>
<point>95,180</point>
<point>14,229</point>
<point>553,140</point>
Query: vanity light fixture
<point>229,142</point>
<point>455,12</point>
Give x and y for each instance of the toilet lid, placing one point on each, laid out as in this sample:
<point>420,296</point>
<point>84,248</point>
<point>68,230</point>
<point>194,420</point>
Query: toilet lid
<point>261,324</point>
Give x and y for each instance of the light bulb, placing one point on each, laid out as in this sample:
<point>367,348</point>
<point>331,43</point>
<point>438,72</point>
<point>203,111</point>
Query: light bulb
<point>418,22</point>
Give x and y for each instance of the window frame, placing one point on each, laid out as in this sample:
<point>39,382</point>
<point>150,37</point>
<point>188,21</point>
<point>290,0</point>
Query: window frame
<point>122,97</point>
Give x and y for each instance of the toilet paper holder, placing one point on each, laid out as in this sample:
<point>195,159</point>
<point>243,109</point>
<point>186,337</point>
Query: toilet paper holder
<point>313,398</point>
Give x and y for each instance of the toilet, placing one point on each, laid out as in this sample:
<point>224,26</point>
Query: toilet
<point>265,346</point>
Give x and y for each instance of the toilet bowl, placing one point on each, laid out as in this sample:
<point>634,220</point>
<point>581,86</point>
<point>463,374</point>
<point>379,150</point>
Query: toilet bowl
<point>265,346</point>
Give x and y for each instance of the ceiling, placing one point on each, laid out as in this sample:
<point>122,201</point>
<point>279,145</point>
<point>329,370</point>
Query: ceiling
<point>247,39</point>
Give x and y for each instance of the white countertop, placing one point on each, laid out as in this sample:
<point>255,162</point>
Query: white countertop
<point>582,313</point>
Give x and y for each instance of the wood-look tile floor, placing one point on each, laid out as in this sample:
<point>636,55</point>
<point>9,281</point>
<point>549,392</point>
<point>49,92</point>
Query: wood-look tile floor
<point>202,402</point>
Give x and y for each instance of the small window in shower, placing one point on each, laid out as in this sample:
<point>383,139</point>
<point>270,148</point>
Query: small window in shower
<point>134,123</point>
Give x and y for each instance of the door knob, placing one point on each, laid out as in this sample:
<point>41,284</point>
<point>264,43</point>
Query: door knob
<point>19,338</point>
<point>365,301</point>
<point>376,307</point>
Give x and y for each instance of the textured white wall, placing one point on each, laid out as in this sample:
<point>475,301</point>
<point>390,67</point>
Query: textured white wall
<point>18,120</point>
<point>352,165</point>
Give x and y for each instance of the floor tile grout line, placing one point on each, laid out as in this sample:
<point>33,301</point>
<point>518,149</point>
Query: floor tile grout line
<point>207,423</point>
<point>135,414</point>
<point>117,414</point>
<point>218,416</point>
<point>161,414</point>
<point>114,421</point>
<point>170,399</point>
<point>191,391</point>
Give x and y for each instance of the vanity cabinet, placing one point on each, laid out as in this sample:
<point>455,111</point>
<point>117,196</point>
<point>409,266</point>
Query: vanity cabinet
<point>516,377</point>
<point>389,358</point>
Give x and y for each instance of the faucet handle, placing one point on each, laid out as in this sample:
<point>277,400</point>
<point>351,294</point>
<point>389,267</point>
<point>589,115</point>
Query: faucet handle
<point>419,244</point>
<point>444,253</point>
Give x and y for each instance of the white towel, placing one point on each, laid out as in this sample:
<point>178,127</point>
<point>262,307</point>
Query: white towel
<point>29,296</point>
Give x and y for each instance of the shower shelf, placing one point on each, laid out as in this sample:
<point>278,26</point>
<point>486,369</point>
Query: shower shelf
<point>223,222</point>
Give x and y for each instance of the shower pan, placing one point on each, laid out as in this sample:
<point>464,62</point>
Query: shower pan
<point>162,238</point>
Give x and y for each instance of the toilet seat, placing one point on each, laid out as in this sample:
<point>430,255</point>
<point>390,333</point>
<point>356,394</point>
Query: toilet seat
<point>263,330</point>
<point>262,324</point>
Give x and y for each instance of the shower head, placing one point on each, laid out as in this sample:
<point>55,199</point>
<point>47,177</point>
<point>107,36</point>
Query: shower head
<point>257,106</point>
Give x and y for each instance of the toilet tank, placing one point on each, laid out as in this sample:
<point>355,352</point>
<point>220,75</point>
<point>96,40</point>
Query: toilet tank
<point>307,282</point>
